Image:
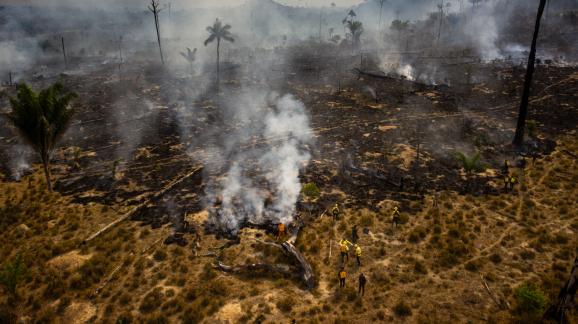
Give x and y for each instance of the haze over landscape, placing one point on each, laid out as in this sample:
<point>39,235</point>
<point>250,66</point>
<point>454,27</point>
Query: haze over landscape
<point>268,161</point>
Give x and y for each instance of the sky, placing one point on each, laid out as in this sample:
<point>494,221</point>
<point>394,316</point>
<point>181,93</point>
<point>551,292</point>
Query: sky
<point>188,3</point>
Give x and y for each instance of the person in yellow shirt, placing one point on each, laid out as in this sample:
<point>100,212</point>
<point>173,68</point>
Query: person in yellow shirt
<point>342,276</point>
<point>344,249</point>
<point>358,254</point>
<point>335,212</point>
<point>395,217</point>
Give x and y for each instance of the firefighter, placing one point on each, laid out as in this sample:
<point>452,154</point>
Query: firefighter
<point>513,182</point>
<point>358,254</point>
<point>506,168</point>
<point>335,211</point>
<point>344,250</point>
<point>362,282</point>
<point>436,199</point>
<point>280,231</point>
<point>507,182</point>
<point>342,276</point>
<point>395,216</point>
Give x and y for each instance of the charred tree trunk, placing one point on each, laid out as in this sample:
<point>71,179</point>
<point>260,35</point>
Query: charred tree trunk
<point>46,167</point>
<point>252,267</point>
<point>218,60</point>
<point>154,8</point>
<point>64,54</point>
<point>557,312</point>
<point>288,248</point>
<point>307,275</point>
<point>521,125</point>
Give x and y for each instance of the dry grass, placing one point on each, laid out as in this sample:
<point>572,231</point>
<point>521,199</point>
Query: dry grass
<point>426,269</point>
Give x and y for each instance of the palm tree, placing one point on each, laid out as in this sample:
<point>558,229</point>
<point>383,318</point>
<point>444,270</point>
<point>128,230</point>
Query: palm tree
<point>42,118</point>
<point>355,29</point>
<point>471,164</point>
<point>520,127</point>
<point>218,32</point>
<point>190,56</point>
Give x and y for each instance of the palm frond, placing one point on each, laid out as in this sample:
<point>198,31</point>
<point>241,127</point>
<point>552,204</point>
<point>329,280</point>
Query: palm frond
<point>211,38</point>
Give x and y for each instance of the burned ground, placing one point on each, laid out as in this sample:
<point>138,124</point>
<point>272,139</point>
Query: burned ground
<point>367,135</point>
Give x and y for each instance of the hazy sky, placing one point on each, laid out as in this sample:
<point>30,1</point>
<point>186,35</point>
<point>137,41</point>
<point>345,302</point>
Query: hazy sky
<point>188,3</point>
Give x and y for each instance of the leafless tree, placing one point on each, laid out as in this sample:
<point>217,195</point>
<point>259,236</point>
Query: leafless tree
<point>523,112</point>
<point>154,7</point>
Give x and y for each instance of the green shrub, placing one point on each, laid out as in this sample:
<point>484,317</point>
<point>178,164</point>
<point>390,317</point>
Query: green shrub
<point>310,190</point>
<point>530,299</point>
<point>11,274</point>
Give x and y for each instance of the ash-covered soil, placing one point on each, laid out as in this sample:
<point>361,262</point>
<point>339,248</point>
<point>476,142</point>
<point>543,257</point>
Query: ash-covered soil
<point>128,140</point>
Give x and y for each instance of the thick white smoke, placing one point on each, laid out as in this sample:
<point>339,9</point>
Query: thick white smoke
<point>263,184</point>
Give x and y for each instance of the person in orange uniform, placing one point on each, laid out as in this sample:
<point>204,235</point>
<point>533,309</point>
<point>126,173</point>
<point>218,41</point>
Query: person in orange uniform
<point>280,230</point>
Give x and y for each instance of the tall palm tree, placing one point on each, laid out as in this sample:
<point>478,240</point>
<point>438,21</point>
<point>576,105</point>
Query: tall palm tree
<point>521,125</point>
<point>218,32</point>
<point>42,118</point>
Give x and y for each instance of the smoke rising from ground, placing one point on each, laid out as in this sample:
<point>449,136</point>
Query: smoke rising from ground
<point>264,159</point>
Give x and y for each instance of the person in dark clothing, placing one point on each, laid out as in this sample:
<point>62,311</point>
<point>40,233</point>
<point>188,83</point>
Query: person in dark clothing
<point>354,235</point>
<point>342,275</point>
<point>362,282</point>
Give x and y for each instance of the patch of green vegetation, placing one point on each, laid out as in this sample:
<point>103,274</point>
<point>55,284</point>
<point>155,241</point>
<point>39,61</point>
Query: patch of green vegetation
<point>311,191</point>
<point>530,300</point>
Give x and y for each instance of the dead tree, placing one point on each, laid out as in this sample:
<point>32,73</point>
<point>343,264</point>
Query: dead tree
<point>521,124</point>
<point>566,296</point>
<point>120,57</point>
<point>154,8</point>
<point>289,249</point>
<point>64,53</point>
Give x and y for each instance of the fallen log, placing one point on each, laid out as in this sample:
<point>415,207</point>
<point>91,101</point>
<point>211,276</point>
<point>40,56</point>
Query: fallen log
<point>289,248</point>
<point>374,75</point>
<point>500,304</point>
<point>307,274</point>
<point>252,267</point>
<point>147,201</point>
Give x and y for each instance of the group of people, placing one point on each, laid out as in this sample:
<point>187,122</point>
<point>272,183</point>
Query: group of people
<point>344,249</point>
<point>345,246</point>
<point>362,281</point>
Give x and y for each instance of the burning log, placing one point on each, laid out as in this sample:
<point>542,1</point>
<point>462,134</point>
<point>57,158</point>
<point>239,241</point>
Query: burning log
<point>152,198</point>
